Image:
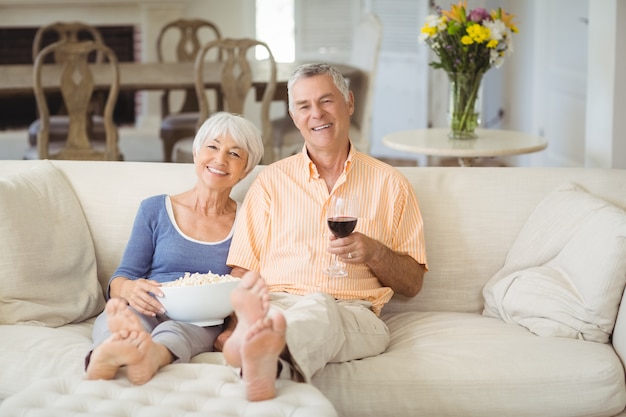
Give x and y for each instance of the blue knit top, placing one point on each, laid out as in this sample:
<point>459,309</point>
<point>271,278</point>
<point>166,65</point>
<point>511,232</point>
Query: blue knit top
<point>159,250</point>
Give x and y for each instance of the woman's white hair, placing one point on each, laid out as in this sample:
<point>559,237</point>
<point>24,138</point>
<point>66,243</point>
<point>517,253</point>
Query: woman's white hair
<point>245,134</point>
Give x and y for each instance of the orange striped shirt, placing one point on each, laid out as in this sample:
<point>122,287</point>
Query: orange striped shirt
<point>282,229</point>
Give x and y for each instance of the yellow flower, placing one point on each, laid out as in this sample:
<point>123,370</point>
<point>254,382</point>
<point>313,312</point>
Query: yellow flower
<point>457,13</point>
<point>443,22</point>
<point>429,30</point>
<point>467,40</point>
<point>478,33</point>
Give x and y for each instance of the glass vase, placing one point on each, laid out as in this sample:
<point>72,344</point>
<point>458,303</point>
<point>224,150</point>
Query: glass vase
<point>464,104</point>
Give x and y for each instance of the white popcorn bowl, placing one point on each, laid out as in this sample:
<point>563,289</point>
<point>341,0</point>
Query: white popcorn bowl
<point>202,305</point>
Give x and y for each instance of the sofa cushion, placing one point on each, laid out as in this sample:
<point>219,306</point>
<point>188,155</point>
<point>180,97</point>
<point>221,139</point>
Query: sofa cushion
<point>463,364</point>
<point>47,256</point>
<point>565,273</point>
<point>31,353</point>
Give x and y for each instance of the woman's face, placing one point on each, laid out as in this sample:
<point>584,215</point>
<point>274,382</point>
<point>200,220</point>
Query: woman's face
<point>220,163</point>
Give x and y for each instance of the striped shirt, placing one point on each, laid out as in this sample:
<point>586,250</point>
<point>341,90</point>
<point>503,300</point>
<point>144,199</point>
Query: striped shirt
<point>282,229</point>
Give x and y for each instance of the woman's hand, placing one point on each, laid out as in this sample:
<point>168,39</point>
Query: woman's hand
<point>138,294</point>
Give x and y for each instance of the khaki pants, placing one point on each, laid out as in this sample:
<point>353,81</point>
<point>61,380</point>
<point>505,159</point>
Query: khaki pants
<point>323,330</point>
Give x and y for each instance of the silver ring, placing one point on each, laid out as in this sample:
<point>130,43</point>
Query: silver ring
<point>349,255</point>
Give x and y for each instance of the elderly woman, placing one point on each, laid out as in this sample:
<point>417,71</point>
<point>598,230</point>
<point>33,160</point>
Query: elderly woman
<point>174,234</point>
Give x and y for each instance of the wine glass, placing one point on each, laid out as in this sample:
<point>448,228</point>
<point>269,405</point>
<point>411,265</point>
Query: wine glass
<point>341,217</point>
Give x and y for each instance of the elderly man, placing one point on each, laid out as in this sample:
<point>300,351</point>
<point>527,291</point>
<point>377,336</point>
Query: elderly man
<point>282,237</point>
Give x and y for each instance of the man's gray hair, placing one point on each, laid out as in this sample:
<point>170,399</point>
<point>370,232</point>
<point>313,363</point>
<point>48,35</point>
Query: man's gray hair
<point>311,70</point>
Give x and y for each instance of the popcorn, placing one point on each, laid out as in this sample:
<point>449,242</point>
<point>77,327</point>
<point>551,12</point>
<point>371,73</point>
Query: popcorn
<point>196,278</point>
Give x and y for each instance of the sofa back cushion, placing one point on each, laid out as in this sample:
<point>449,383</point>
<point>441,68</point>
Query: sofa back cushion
<point>47,256</point>
<point>471,218</point>
<point>564,275</point>
<point>471,215</point>
<point>110,193</point>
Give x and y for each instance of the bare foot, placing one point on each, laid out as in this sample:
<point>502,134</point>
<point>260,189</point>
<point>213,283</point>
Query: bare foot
<point>120,317</point>
<point>154,356</point>
<point>118,350</point>
<point>260,351</point>
<point>129,345</point>
<point>251,302</point>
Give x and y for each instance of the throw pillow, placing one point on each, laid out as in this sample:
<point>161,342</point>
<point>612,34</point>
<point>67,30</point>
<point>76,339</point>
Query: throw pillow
<point>47,257</point>
<point>565,273</point>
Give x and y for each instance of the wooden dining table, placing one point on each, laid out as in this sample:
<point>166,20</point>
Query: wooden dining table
<point>152,76</point>
<point>140,76</point>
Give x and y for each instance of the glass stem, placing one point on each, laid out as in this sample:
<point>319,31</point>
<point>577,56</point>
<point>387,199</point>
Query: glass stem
<point>332,265</point>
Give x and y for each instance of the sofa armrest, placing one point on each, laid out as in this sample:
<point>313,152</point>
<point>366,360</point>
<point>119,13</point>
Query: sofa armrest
<point>619,331</point>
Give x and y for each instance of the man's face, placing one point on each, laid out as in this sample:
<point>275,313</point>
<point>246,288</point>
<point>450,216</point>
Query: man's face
<point>321,113</point>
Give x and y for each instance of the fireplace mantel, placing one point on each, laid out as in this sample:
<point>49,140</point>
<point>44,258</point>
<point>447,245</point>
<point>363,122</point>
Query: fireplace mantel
<point>29,3</point>
<point>148,16</point>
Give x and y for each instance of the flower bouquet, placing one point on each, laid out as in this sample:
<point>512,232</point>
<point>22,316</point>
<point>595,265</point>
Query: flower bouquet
<point>467,45</point>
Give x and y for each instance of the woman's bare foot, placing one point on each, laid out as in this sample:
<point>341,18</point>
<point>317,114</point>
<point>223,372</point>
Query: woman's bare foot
<point>260,351</point>
<point>251,303</point>
<point>118,350</point>
<point>129,345</point>
<point>154,356</point>
<point>120,317</point>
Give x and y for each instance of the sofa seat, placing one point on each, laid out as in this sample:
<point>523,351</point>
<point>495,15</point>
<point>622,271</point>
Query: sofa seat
<point>453,364</point>
<point>30,352</point>
<point>176,390</point>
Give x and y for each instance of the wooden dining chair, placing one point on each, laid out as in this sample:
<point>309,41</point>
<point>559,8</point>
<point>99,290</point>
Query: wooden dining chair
<point>190,34</point>
<point>366,42</point>
<point>59,123</point>
<point>239,70</point>
<point>76,84</point>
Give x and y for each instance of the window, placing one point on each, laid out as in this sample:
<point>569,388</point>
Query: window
<point>275,26</point>
<point>307,30</point>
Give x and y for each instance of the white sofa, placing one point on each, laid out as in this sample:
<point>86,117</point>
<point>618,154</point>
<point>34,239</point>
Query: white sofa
<point>446,358</point>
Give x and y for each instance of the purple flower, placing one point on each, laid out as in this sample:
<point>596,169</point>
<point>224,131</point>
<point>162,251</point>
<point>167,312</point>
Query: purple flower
<point>478,15</point>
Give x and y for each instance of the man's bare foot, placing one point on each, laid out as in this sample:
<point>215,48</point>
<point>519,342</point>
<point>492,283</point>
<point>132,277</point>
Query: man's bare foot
<point>118,350</point>
<point>260,351</point>
<point>251,303</point>
<point>154,356</point>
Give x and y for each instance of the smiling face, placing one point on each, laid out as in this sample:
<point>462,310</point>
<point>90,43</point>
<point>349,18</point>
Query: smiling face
<point>220,163</point>
<point>321,113</point>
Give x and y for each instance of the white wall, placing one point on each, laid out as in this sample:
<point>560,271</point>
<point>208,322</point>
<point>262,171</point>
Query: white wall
<point>605,144</point>
<point>235,18</point>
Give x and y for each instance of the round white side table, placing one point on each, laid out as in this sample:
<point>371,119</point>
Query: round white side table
<point>489,143</point>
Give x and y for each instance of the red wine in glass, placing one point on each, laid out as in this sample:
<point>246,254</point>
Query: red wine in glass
<point>341,226</point>
<point>342,218</point>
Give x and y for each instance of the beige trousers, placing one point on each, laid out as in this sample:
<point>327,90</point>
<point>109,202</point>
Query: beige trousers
<point>323,330</point>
